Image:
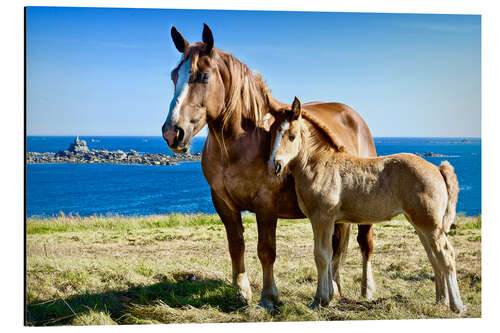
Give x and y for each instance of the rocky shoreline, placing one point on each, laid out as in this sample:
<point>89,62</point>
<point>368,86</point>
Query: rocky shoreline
<point>431,154</point>
<point>78,153</point>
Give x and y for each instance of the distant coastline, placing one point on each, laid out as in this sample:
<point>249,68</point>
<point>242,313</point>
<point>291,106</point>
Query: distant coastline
<point>79,153</point>
<point>112,157</point>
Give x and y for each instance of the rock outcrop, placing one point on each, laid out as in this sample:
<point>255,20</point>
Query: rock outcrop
<point>430,154</point>
<point>78,146</point>
<point>78,152</point>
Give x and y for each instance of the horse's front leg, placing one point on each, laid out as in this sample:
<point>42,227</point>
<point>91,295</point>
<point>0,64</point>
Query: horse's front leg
<point>340,243</point>
<point>323,229</point>
<point>236,242</point>
<point>266,249</point>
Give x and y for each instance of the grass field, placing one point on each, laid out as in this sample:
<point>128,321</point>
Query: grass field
<point>117,270</point>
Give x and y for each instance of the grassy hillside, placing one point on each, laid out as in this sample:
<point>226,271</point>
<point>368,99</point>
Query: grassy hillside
<point>117,270</point>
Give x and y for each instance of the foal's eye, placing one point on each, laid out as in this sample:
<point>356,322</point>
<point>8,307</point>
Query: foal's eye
<point>291,137</point>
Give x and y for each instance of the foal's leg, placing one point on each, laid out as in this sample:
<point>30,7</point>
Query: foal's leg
<point>266,249</point>
<point>323,230</point>
<point>442,257</point>
<point>234,233</point>
<point>340,243</point>
<point>445,258</point>
<point>365,241</point>
<point>441,288</point>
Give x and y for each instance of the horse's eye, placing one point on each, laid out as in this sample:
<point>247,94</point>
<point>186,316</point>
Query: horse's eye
<point>199,78</point>
<point>291,137</point>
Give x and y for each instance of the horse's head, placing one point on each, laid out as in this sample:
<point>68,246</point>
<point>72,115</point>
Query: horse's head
<point>198,93</point>
<point>285,128</point>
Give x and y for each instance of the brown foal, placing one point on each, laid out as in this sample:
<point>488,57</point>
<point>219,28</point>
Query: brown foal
<point>333,187</point>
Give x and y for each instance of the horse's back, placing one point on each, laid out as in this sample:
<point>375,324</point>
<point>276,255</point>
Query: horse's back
<point>344,125</point>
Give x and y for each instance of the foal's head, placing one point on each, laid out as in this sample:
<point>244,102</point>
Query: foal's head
<point>198,93</point>
<point>286,137</point>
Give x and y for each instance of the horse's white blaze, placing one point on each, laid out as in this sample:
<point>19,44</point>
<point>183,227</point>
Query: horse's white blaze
<point>279,136</point>
<point>180,93</point>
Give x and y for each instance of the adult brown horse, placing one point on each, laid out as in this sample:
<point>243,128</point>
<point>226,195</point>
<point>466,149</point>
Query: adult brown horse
<point>213,88</point>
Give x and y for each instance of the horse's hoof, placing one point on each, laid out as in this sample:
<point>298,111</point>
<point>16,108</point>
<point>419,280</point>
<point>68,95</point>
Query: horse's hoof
<point>246,294</point>
<point>368,295</point>
<point>314,305</point>
<point>336,290</point>
<point>267,305</point>
<point>243,286</point>
<point>460,311</point>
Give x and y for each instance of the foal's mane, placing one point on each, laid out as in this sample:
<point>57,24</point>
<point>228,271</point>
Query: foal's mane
<point>314,142</point>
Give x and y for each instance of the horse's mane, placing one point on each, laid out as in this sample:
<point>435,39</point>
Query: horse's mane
<point>248,94</point>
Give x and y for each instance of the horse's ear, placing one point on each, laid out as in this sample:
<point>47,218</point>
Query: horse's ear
<point>267,121</point>
<point>296,109</point>
<point>180,43</point>
<point>207,38</point>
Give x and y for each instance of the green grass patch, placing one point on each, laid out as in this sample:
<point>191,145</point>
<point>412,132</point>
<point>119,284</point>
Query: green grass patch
<point>65,223</point>
<point>176,269</point>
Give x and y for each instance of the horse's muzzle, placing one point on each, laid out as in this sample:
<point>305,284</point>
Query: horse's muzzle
<point>174,136</point>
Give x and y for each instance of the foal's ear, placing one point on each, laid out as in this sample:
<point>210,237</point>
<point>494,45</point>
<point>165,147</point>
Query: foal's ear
<point>296,109</point>
<point>267,122</point>
<point>180,43</point>
<point>207,38</point>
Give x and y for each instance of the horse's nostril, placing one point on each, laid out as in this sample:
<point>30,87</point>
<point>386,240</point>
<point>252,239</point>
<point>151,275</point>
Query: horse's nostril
<point>277,167</point>
<point>180,133</point>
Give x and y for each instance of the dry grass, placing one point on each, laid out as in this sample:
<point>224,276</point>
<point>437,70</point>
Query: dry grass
<point>117,270</point>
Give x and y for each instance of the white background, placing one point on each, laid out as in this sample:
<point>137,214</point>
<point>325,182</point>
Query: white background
<point>12,155</point>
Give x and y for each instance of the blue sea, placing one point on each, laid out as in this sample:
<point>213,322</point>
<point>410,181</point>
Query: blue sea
<point>109,189</point>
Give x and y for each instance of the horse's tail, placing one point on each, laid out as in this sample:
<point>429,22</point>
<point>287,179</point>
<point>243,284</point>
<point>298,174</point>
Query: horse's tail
<point>450,178</point>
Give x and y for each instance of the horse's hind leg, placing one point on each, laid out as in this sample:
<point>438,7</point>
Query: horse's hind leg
<point>365,241</point>
<point>266,250</point>
<point>340,243</point>
<point>234,233</point>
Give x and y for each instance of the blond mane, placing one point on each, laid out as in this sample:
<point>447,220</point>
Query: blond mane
<point>314,142</point>
<point>247,95</point>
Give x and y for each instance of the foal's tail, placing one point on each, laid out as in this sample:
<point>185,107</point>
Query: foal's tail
<point>450,178</point>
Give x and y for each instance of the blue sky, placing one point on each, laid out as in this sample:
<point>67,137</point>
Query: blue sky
<point>97,71</point>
